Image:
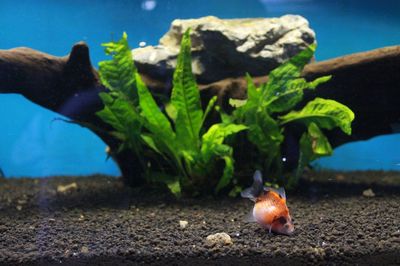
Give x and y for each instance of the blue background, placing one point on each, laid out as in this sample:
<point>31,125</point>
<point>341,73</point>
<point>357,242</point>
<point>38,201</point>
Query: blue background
<point>32,144</point>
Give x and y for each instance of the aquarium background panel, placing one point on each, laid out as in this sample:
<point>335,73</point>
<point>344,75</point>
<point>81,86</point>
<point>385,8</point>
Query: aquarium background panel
<point>33,143</point>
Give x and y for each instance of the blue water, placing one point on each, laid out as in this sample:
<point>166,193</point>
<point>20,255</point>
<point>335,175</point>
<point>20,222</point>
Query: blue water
<point>32,144</point>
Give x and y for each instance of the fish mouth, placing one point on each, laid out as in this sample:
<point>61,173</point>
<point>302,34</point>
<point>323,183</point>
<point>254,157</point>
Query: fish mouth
<point>285,230</point>
<point>289,231</point>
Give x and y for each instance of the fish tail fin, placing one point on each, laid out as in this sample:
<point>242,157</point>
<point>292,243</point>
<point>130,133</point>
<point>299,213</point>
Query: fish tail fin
<point>249,218</point>
<point>256,189</point>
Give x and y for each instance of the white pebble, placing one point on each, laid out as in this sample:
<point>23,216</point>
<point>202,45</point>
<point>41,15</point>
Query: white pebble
<point>183,224</point>
<point>218,239</point>
<point>368,193</point>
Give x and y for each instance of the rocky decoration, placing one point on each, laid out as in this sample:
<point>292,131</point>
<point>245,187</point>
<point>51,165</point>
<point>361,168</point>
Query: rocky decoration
<point>227,48</point>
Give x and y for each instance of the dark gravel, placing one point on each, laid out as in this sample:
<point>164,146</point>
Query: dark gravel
<point>103,222</point>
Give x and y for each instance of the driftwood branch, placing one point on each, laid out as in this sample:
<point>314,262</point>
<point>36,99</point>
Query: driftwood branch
<point>369,83</point>
<point>66,85</point>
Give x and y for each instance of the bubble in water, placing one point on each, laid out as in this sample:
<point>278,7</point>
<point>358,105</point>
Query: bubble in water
<point>149,5</point>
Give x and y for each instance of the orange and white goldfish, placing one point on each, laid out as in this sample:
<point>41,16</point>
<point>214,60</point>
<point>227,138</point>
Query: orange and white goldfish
<point>270,209</point>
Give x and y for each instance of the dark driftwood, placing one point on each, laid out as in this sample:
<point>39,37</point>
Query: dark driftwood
<point>369,83</point>
<point>66,85</point>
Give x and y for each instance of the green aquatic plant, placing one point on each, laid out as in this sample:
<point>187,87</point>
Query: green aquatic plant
<point>173,144</point>
<point>180,151</point>
<point>269,109</point>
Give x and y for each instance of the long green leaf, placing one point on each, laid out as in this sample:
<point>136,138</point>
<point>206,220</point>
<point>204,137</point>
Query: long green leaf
<point>251,105</point>
<point>218,132</point>
<point>264,132</point>
<point>313,144</point>
<point>186,97</point>
<point>324,113</point>
<point>118,74</point>
<point>279,77</point>
<point>123,118</point>
<point>228,173</point>
<point>284,101</point>
<point>118,113</point>
<point>212,140</point>
<point>156,121</point>
<point>210,106</point>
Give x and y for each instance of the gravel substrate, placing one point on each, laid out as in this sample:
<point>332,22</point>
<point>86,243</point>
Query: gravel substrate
<point>101,222</point>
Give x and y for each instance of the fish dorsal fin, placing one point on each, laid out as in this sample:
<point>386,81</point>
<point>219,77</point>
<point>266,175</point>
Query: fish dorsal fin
<point>280,191</point>
<point>256,189</point>
<point>248,193</point>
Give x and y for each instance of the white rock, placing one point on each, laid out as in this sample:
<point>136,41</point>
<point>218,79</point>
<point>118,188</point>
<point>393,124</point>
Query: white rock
<point>224,48</point>
<point>67,188</point>
<point>220,239</point>
<point>368,193</point>
<point>183,224</point>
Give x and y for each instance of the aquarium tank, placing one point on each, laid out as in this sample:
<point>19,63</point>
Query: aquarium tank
<point>188,132</point>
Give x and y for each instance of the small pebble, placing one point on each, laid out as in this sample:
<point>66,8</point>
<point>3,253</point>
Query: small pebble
<point>22,201</point>
<point>19,207</point>
<point>220,239</point>
<point>183,224</point>
<point>368,193</point>
<point>67,188</point>
<point>85,250</point>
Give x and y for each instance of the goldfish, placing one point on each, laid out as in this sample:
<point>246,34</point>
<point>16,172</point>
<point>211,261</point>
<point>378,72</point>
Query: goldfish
<point>270,210</point>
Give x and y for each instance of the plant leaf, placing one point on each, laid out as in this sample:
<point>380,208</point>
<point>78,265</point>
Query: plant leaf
<point>237,102</point>
<point>210,105</point>
<point>288,99</point>
<point>217,133</point>
<point>227,175</point>
<point>284,88</point>
<point>324,113</point>
<point>118,113</point>
<point>235,191</point>
<point>186,97</point>
<point>212,140</point>
<point>156,121</point>
<point>252,104</point>
<point>264,132</point>
<point>171,111</point>
<point>123,118</point>
<point>118,74</point>
<point>175,187</point>
<point>314,144</point>
<point>151,143</point>
<point>172,182</point>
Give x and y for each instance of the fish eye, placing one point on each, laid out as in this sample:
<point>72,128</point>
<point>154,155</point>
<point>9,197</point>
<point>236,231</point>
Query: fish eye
<point>282,220</point>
